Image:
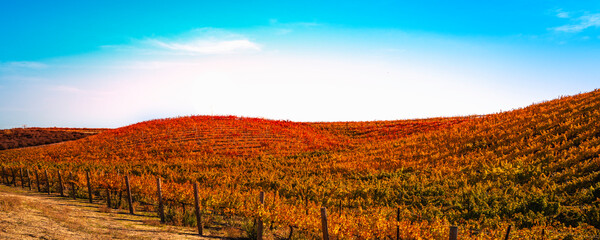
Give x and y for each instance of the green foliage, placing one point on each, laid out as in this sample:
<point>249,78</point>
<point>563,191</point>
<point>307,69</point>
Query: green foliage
<point>249,227</point>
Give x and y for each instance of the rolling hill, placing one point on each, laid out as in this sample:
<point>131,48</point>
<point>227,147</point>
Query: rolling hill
<point>28,137</point>
<point>536,168</point>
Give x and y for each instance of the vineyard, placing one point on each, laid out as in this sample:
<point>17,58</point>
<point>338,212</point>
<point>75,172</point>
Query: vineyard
<point>536,168</point>
<point>28,137</point>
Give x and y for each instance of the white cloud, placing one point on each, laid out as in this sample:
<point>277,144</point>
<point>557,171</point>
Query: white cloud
<point>562,14</point>
<point>283,31</point>
<point>581,23</point>
<point>208,47</point>
<point>200,41</point>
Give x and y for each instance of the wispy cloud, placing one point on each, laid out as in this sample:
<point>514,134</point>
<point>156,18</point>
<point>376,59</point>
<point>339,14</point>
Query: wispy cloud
<point>562,14</point>
<point>201,41</point>
<point>208,47</point>
<point>578,24</point>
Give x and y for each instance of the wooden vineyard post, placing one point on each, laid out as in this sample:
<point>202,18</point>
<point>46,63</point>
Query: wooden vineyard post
<point>129,199</point>
<point>22,180</point>
<point>28,179</point>
<point>108,197</point>
<point>324,227</point>
<point>14,178</point>
<point>48,182</point>
<point>197,206</point>
<point>4,178</point>
<point>306,205</point>
<point>543,234</point>
<point>37,180</point>
<point>161,207</point>
<point>8,183</point>
<point>8,174</point>
<point>398,224</point>
<point>73,190</point>
<point>118,192</point>
<point>507,232</point>
<point>260,224</point>
<point>60,185</point>
<point>453,232</point>
<point>89,186</point>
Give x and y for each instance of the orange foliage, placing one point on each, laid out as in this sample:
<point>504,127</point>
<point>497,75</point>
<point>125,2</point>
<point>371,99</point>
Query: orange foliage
<point>535,167</point>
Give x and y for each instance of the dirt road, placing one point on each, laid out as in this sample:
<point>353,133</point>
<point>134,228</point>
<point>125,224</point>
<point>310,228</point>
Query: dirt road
<point>29,215</point>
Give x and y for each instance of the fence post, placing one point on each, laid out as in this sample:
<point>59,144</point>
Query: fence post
<point>108,197</point>
<point>543,234</point>
<point>60,185</point>
<point>507,232</point>
<point>22,181</point>
<point>7,173</point>
<point>161,208</point>
<point>119,193</point>
<point>73,191</point>
<point>14,178</point>
<point>89,185</point>
<point>8,183</point>
<point>324,227</point>
<point>28,179</point>
<point>48,181</point>
<point>37,180</point>
<point>7,176</point>
<point>453,232</point>
<point>398,224</point>
<point>129,194</point>
<point>260,224</point>
<point>197,206</point>
<point>4,178</point>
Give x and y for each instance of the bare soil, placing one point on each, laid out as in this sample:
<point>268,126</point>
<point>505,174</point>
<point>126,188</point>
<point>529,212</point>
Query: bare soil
<point>30,215</point>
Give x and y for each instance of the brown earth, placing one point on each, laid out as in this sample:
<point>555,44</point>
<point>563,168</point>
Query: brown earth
<point>29,215</point>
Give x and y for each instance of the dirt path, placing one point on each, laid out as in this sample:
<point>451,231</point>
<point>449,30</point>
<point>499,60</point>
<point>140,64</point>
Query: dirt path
<point>29,215</point>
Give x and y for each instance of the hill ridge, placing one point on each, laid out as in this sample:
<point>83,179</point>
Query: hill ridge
<point>536,167</point>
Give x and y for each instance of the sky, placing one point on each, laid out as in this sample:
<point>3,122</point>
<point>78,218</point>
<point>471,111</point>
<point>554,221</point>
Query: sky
<point>115,63</point>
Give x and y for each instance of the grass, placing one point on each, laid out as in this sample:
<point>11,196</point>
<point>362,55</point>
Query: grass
<point>9,203</point>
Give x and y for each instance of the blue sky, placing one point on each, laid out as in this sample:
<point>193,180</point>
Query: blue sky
<point>113,63</point>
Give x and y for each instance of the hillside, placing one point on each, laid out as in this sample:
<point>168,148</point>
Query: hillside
<point>28,137</point>
<point>534,168</point>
